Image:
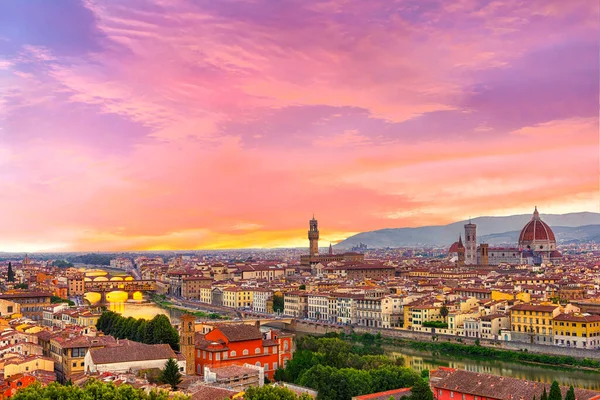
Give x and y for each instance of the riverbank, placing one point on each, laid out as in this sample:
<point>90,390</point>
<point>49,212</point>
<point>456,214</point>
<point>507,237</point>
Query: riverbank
<point>315,328</point>
<point>162,302</point>
<point>498,354</point>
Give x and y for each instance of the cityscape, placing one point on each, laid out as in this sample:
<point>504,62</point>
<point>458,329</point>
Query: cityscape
<point>316,199</point>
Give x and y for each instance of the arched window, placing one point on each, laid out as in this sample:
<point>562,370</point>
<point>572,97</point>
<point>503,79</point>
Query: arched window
<point>245,352</point>
<point>257,351</point>
<point>285,346</point>
<point>232,353</point>
<point>257,364</point>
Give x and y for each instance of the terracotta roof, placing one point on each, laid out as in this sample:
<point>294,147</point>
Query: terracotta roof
<point>536,230</point>
<point>577,318</point>
<point>396,394</point>
<point>240,332</point>
<point>494,386</point>
<point>232,371</point>
<point>533,307</point>
<point>213,393</point>
<point>128,351</point>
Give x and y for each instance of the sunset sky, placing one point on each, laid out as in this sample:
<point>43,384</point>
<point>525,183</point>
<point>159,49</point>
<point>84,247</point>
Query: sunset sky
<point>181,124</point>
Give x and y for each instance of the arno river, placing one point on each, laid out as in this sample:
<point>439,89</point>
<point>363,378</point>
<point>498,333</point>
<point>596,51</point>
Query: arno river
<point>416,359</point>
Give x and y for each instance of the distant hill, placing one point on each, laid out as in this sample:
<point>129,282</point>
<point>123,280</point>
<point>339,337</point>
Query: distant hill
<point>582,226</point>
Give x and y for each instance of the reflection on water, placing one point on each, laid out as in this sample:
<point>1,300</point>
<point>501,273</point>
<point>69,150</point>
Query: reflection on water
<point>119,302</point>
<point>420,360</point>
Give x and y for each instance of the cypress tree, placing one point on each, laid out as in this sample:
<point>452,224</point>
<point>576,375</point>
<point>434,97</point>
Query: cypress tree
<point>554,392</point>
<point>11,274</point>
<point>570,394</point>
<point>170,374</point>
<point>544,395</point>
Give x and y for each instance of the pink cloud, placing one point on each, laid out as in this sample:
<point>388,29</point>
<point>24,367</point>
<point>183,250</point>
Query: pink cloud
<point>215,127</point>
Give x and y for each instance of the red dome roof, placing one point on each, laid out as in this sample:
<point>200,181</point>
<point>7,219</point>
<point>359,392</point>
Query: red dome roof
<point>536,230</point>
<point>453,248</point>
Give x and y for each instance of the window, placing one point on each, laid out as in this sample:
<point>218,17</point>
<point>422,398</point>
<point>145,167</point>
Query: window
<point>257,350</point>
<point>451,395</point>
<point>245,352</point>
<point>232,353</point>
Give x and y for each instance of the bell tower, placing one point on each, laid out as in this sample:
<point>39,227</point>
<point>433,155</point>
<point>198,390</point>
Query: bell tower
<point>187,342</point>
<point>313,237</point>
<point>470,243</point>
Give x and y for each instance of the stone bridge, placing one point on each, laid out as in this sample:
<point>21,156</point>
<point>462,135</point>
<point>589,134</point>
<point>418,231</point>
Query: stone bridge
<point>130,287</point>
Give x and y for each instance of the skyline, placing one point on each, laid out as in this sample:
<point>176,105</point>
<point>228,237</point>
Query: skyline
<point>224,124</point>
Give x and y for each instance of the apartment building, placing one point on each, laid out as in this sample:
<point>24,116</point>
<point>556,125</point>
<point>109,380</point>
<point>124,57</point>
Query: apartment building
<point>577,330</point>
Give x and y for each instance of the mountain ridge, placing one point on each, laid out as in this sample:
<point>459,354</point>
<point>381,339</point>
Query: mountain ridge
<point>490,228</point>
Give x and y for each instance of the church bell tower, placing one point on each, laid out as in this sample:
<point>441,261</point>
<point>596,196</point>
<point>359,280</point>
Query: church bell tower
<point>187,342</point>
<point>313,237</point>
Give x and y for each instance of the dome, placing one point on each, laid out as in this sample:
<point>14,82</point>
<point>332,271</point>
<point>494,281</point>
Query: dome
<point>453,248</point>
<point>537,234</point>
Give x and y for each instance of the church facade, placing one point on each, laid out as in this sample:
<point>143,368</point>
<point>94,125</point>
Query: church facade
<point>536,245</point>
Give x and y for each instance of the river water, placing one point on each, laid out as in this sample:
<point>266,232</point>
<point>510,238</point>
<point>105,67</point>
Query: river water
<point>419,360</point>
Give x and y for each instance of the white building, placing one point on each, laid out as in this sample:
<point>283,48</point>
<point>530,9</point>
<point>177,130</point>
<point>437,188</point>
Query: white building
<point>127,355</point>
<point>260,299</point>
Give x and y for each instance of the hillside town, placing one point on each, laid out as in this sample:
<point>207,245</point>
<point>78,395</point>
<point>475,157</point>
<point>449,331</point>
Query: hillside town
<point>239,317</point>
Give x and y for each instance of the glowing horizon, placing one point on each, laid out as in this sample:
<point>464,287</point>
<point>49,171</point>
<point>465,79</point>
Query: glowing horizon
<point>225,124</point>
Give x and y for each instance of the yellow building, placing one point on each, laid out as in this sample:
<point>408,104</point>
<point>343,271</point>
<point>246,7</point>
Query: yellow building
<point>68,353</point>
<point>522,296</point>
<point>20,365</point>
<point>8,308</point>
<point>425,313</point>
<point>533,319</point>
<point>206,294</point>
<point>577,330</point>
<point>237,297</point>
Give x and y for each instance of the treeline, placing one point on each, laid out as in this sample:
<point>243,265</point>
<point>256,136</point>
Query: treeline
<point>505,355</point>
<point>92,259</point>
<point>62,264</point>
<point>93,390</point>
<point>332,367</point>
<point>156,331</point>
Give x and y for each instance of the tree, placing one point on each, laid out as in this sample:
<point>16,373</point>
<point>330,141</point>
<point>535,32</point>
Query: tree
<point>11,274</point>
<point>444,312</point>
<point>170,374</point>
<point>544,395</point>
<point>570,394</point>
<point>278,303</point>
<point>554,392</point>
<point>22,286</point>
<point>302,287</point>
<point>421,391</point>
<point>270,392</point>
<point>93,390</point>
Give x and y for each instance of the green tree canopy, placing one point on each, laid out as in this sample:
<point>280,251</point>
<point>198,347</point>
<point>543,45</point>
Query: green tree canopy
<point>544,395</point>
<point>170,374</point>
<point>156,331</point>
<point>570,394</point>
<point>93,390</point>
<point>270,392</point>
<point>421,391</point>
<point>554,392</point>
<point>278,303</point>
